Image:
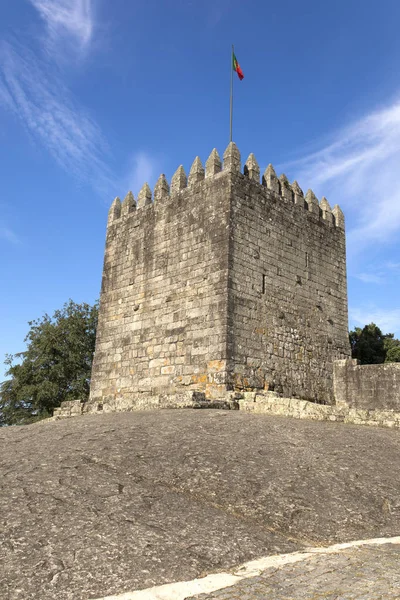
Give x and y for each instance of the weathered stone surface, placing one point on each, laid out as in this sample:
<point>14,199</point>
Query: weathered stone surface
<point>326,210</point>
<point>128,205</point>
<point>286,188</point>
<point>339,216</point>
<point>213,164</point>
<point>252,169</point>
<point>69,408</point>
<point>302,409</point>
<point>115,211</point>
<point>312,202</point>
<point>287,299</point>
<point>179,180</point>
<point>364,573</point>
<point>232,160</point>
<point>298,194</point>
<point>271,180</point>
<point>161,189</point>
<point>162,325</point>
<point>196,173</point>
<point>144,196</point>
<point>222,288</point>
<point>367,386</point>
<point>143,402</point>
<point>107,504</point>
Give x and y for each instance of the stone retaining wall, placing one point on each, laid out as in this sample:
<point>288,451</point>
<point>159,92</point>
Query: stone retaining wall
<point>302,409</point>
<point>367,387</point>
<point>267,403</point>
<point>73,408</point>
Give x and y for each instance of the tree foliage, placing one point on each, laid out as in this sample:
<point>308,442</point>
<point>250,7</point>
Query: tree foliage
<point>56,365</point>
<point>392,347</point>
<point>370,346</point>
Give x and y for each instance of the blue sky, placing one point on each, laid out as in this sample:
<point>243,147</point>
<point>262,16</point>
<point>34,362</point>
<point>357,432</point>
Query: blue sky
<point>97,97</point>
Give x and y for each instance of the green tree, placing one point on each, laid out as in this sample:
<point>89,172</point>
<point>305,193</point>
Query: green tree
<point>367,344</point>
<point>371,346</point>
<point>56,365</point>
<point>392,347</point>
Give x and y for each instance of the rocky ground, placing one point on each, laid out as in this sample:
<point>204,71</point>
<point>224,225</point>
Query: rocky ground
<point>101,505</point>
<point>369,573</point>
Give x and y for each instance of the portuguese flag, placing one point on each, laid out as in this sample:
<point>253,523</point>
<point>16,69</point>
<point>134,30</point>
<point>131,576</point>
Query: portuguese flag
<point>236,67</point>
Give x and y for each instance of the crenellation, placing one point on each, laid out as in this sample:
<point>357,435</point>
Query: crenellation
<point>339,217</point>
<point>179,180</point>
<point>271,180</point>
<point>252,169</point>
<point>312,203</point>
<point>196,172</point>
<point>298,194</point>
<point>144,196</point>
<point>213,164</point>
<point>128,205</point>
<point>326,211</point>
<point>115,211</point>
<point>286,188</point>
<point>232,159</point>
<point>161,189</point>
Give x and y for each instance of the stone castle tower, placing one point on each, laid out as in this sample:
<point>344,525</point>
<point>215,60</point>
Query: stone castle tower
<point>221,284</point>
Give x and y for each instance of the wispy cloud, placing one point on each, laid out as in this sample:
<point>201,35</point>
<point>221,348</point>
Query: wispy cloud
<point>142,168</point>
<point>359,170</point>
<point>392,266</point>
<point>388,320</point>
<point>370,278</point>
<point>67,21</point>
<point>9,235</point>
<point>217,10</point>
<point>380,272</point>
<point>31,90</point>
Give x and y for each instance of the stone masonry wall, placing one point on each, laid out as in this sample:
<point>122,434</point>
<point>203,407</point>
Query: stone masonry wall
<point>222,283</point>
<point>267,403</point>
<point>163,306</point>
<point>287,288</point>
<point>368,387</point>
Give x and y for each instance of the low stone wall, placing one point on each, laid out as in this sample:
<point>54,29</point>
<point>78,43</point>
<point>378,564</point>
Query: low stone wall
<point>68,408</point>
<point>73,408</point>
<point>263,402</point>
<point>368,387</point>
<point>302,409</point>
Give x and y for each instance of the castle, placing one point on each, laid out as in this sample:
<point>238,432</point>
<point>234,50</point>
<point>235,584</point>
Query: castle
<point>221,284</point>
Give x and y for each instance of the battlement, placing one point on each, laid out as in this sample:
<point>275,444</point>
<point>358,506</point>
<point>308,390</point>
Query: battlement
<point>221,281</point>
<point>279,187</point>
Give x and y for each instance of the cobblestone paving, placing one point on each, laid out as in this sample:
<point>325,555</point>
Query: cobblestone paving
<point>366,573</point>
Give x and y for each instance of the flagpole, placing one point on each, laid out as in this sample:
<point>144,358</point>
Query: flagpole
<point>231,102</point>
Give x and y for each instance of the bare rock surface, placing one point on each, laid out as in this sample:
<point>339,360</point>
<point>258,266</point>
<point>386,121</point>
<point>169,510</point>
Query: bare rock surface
<point>101,505</point>
<point>368,573</point>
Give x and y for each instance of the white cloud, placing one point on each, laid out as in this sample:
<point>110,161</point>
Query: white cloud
<point>142,168</point>
<point>32,91</point>
<point>388,320</point>
<point>32,88</point>
<point>9,235</point>
<point>370,278</point>
<point>393,266</point>
<point>217,10</point>
<point>379,272</point>
<point>67,21</point>
<point>359,170</point>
